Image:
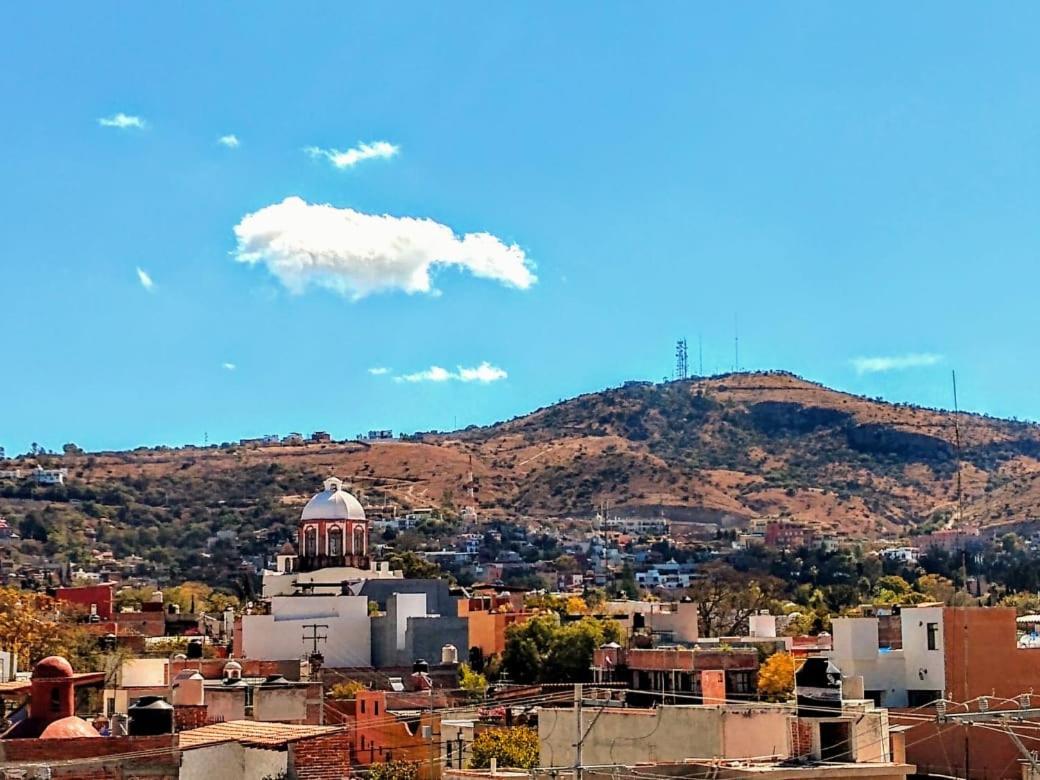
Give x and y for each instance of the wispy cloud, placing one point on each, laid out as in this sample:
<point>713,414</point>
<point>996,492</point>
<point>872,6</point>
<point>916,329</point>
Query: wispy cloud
<point>881,364</point>
<point>122,121</point>
<point>354,155</point>
<point>358,254</point>
<point>145,279</point>
<point>229,366</point>
<point>379,370</point>
<point>484,374</point>
<point>230,141</point>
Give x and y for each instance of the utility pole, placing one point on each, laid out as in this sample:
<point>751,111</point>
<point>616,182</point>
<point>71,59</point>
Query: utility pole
<point>578,769</point>
<point>1005,720</point>
<point>316,659</point>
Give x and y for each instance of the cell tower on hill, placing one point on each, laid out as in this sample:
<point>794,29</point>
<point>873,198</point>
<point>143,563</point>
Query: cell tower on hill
<point>682,368</point>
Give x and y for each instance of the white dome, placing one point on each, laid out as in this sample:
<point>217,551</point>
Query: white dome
<point>333,503</point>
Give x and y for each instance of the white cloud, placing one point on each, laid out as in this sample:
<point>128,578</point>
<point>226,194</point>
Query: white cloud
<point>145,279</point>
<point>876,365</point>
<point>122,121</point>
<point>357,254</point>
<point>485,373</point>
<point>432,374</point>
<point>356,154</point>
<point>229,366</point>
<point>230,141</point>
<point>378,370</point>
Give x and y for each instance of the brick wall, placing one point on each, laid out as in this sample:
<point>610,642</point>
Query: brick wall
<point>801,738</point>
<point>190,716</point>
<point>321,758</point>
<point>67,757</point>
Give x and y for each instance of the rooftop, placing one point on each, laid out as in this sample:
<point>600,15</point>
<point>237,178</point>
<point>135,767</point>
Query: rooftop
<point>254,733</point>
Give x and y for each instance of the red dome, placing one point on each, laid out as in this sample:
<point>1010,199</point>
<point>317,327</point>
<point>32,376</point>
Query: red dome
<point>52,666</point>
<point>69,727</point>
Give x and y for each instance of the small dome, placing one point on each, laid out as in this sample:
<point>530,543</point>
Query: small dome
<point>232,666</point>
<point>333,503</point>
<point>69,728</point>
<point>52,666</point>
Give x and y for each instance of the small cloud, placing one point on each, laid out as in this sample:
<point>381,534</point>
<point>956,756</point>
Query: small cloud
<point>484,374</point>
<point>145,279</point>
<point>122,121</point>
<point>877,365</point>
<point>432,374</point>
<point>356,154</point>
<point>230,141</point>
<point>229,366</point>
<point>357,254</point>
<point>379,371</point>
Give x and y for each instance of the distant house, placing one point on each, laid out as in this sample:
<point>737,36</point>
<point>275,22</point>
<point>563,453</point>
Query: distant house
<point>42,476</point>
<point>291,439</point>
<point>320,436</point>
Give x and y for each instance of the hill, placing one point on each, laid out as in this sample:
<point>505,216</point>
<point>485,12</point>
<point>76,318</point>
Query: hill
<point>717,450</point>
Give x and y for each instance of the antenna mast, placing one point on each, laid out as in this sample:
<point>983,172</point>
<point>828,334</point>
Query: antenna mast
<point>682,370</point>
<point>957,441</point>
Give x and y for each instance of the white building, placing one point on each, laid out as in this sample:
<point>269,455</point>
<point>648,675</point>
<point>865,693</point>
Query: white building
<point>42,476</point>
<point>319,591</point>
<point>902,665</point>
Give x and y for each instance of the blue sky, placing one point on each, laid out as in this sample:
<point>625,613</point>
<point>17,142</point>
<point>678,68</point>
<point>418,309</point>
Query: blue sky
<point>846,182</point>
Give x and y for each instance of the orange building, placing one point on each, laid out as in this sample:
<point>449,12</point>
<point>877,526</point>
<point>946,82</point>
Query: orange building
<point>377,736</point>
<point>489,615</point>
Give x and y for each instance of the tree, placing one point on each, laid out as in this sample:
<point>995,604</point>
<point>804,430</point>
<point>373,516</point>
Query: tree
<point>726,598</point>
<point>473,683</point>
<point>776,677</point>
<point>515,747</point>
<point>347,690</point>
<point>414,567</point>
<point>544,650</point>
<point>394,770</point>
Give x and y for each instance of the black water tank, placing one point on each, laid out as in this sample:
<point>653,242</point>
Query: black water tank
<point>150,716</point>
<point>817,687</point>
<point>420,665</point>
<point>194,649</point>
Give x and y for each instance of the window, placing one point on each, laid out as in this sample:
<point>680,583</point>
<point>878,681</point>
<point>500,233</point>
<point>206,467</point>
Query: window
<point>55,700</point>
<point>375,708</point>
<point>336,542</point>
<point>310,542</point>
<point>362,710</point>
<point>933,636</point>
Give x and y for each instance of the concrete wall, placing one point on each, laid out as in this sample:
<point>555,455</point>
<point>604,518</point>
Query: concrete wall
<point>427,635</point>
<point>438,595</point>
<point>855,651</point>
<point>288,704</point>
<point>226,703</point>
<point>667,733</point>
<point>143,672</point>
<point>279,636</point>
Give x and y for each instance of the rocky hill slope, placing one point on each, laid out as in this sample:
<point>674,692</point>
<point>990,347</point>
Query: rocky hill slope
<point>717,450</point>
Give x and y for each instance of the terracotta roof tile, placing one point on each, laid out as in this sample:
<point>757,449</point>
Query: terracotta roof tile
<point>251,732</point>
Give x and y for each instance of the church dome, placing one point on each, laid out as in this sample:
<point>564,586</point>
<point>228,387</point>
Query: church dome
<point>333,503</point>
<point>69,728</point>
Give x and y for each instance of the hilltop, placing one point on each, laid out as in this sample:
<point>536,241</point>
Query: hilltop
<point>716,450</point>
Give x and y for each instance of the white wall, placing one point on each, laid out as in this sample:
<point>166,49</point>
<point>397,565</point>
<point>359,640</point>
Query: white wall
<point>143,672</point>
<point>925,669</point>
<point>205,763</point>
<point>407,605</point>
<point>279,636</point>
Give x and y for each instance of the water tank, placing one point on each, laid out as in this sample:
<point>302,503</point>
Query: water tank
<point>117,724</point>
<point>420,665</point>
<point>195,649</point>
<point>188,688</point>
<point>449,654</point>
<point>150,716</point>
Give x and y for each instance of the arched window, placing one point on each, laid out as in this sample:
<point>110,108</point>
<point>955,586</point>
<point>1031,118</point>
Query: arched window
<point>359,541</point>
<point>335,542</point>
<point>310,542</point>
<point>55,700</point>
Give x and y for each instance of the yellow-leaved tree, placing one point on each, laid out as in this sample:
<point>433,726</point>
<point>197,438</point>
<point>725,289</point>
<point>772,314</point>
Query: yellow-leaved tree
<point>776,677</point>
<point>515,747</point>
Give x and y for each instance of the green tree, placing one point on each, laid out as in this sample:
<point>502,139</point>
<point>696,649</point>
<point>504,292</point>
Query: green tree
<point>394,770</point>
<point>544,650</point>
<point>473,683</point>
